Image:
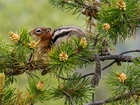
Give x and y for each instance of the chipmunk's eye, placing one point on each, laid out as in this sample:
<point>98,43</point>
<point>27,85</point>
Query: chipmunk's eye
<point>48,30</point>
<point>38,31</point>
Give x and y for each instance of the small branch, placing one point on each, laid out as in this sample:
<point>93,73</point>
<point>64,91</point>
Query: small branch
<point>122,58</point>
<point>31,56</point>
<point>129,52</point>
<point>71,100</point>
<point>125,96</point>
<point>86,6</point>
<point>116,57</point>
<point>108,50</point>
<point>97,73</point>
<point>102,69</point>
<point>64,78</point>
<point>87,75</point>
<point>112,57</point>
<point>67,95</point>
<point>109,65</point>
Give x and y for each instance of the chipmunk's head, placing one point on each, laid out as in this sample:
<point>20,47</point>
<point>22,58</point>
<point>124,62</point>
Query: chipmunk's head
<point>41,33</point>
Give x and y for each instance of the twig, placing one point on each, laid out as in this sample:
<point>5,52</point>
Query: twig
<point>108,50</point>
<point>112,57</point>
<point>86,6</point>
<point>31,56</point>
<point>116,57</point>
<point>129,52</point>
<point>64,78</point>
<point>109,65</point>
<point>71,100</point>
<point>97,73</point>
<point>102,69</point>
<point>87,75</point>
<point>125,96</point>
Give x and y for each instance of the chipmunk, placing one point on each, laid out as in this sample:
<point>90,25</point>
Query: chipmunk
<point>46,36</point>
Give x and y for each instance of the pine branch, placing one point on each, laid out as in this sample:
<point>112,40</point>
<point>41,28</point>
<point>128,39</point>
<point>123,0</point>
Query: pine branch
<point>125,96</point>
<point>40,65</point>
<point>116,58</point>
<point>89,74</point>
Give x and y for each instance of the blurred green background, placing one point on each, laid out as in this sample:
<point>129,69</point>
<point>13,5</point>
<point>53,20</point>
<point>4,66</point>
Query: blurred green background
<point>17,14</point>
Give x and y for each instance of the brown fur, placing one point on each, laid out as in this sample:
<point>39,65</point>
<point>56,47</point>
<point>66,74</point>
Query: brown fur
<point>44,38</point>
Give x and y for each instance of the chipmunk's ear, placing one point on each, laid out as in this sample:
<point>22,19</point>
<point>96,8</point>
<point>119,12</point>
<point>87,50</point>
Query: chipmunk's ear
<point>38,31</point>
<point>48,30</point>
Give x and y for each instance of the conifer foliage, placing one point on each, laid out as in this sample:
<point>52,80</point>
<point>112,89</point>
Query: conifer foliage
<point>108,22</point>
